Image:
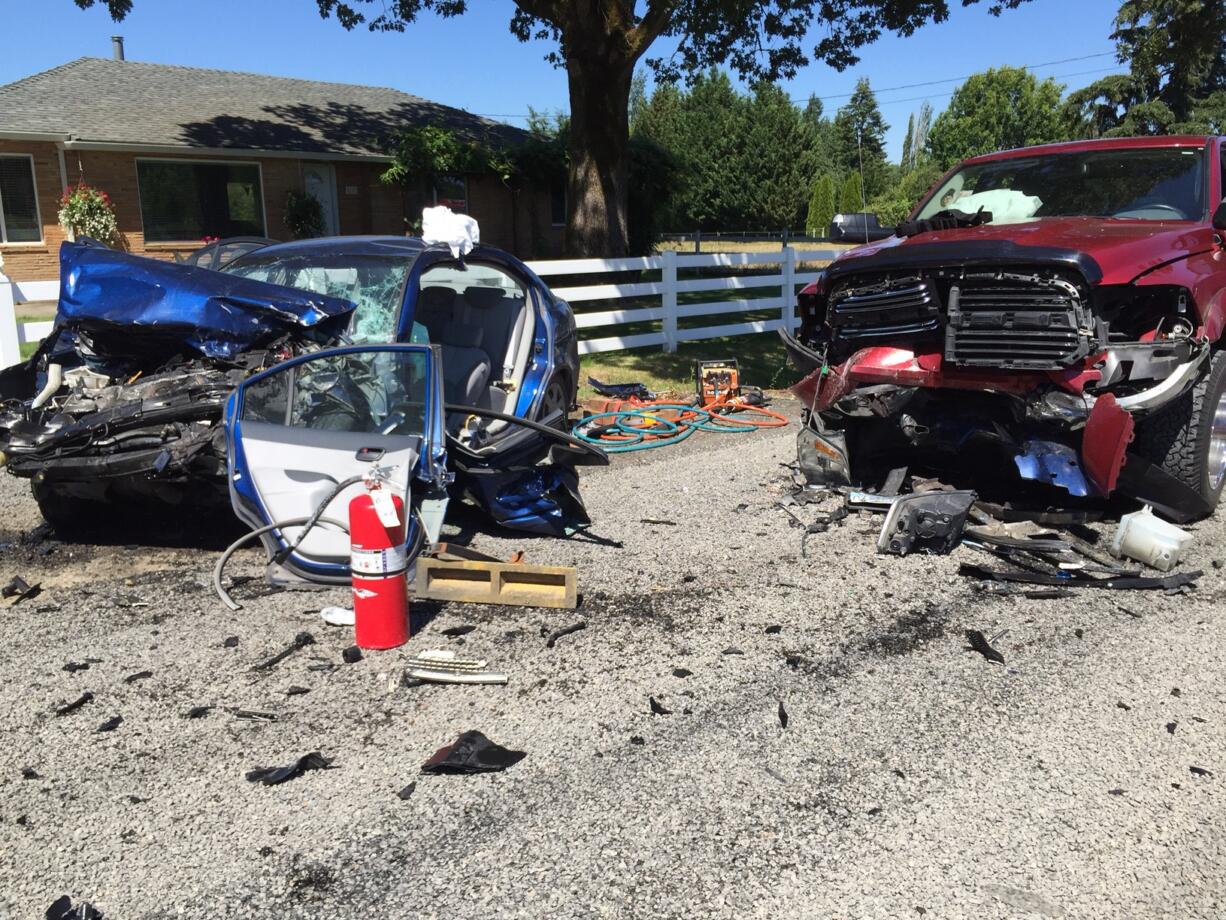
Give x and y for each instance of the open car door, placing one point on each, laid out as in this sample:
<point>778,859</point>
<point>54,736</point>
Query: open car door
<point>297,432</point>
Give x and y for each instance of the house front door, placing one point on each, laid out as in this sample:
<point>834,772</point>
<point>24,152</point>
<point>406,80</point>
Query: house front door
<point>319,180</point>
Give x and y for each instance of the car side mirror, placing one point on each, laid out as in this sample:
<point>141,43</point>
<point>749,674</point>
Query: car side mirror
<point>1219,217</point>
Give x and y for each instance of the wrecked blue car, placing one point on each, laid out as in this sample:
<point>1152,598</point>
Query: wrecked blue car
<point>447,368</point>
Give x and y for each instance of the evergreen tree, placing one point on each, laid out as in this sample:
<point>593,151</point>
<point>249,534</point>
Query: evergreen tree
<point>774,149</point>
<point>821,206</point>
<point>851,199</point>
<point>859,138</point>
<point>907,142</point>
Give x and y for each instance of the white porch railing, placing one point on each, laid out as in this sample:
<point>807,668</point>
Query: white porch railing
<point>660,303</point>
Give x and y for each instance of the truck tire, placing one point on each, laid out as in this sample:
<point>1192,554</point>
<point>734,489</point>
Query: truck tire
<point>1187,438</point>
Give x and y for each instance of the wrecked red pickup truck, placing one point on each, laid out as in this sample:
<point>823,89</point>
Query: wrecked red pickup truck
<point>1052,314</point>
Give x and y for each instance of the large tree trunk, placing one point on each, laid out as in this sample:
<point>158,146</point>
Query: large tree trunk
<point>599,144</point>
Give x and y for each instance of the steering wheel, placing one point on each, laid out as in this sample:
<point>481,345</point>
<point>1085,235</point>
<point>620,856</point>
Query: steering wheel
<point>1154,206</point>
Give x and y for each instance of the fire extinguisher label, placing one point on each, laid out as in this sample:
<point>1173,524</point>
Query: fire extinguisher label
<point>377,562</point>
<point>384,507</point>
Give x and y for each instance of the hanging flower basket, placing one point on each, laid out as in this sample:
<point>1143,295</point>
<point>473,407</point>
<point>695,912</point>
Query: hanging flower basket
<point>88,211</point>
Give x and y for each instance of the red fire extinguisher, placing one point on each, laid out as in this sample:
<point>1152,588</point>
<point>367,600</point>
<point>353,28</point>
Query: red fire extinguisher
<point>378,563</point>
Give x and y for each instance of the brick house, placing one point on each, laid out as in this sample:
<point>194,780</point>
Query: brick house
<point>187,152</point>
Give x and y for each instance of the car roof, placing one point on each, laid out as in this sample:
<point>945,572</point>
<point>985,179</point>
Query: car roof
<point>1108,143</point>
<point>403,246</point>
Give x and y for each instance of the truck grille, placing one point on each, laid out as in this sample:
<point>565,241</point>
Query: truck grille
<point>1026,322</point>
<point>887,308</point>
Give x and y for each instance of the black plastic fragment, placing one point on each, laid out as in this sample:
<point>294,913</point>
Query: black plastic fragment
<point>139,675</point>
<point>774,629</point>
<point>1170,727</point>
<point>638,740</point>
<point>75,704</point>
<point>20,589</point>
<point>472,752</point>
<point>295,690</point>
<point>1138,583</point>
<point>30,773</point>
<point>352,655</point>
<point>301,641</point>
<point>198,712</point>
<point>1200,771</point>
<point>230,642</point>
<point>732,650</point>
<point>681,672</point>
<point>930,522</point>
<point>783,716</point>
<point>1175,691</point>
<point>110,724</point>
<point>407,792</point>
<point>454,631</point>
<point>62,909</point>
<point>73,666</point>
<point>657,708</point>
<point>979,643</point>
<point>1124,706</point>
<point>1115,792</point>
<point>273,776</point>
<point>565,631</point>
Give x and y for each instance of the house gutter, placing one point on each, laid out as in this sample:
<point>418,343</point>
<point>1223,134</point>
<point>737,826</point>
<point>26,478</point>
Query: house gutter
<point>231,152</point>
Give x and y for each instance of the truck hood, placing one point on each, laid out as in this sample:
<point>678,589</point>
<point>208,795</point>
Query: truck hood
<point>135,307</point>
<point>1122,249</point>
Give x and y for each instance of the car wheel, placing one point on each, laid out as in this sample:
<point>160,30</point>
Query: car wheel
<point>1187,438</point>
<point>558,398</point>
<point>74,518</point>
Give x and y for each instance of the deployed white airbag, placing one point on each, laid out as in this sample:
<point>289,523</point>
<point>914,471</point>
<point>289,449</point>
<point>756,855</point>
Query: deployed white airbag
<point>1005,204</point>
<point>442,225</point>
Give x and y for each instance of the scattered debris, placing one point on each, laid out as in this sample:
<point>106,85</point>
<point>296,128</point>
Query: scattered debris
<point>472,752</point>
<point>455,631</point>
<point>682,672</point>
<point>658,522</point>
<point>926,521</point>
<point>783,716</point>
<point>352,655</point>
<point>139,675</point>
<point>198,712</point>
<point>1115,792</point>
<point>638,740</point>
<point>272,776</point>
<point>1149,540</point>
<point>30,773</point>
<point>407,792</point>
<point>62,909</point>
<point>337,616</point>
<point>75,704</point>
<point>230,642</point>
<point>633,390</point>
<point>1068,579</point>
<point>565,631</point>
<point>73,666</point>
<point>1124,706</point>
<point>1200,771</point>
<point>295,690</point>
<point>110,724</point>
<point>980,644</point>
<point>301,641</point>
<point>1170,727</point>
<point>732,650</point>
<point>1079,633</point>
<point>657,708</point>
<point>1175,691</point>
<point>440,666</point>
<point>20,590</point>
<point>774,629</point>
<point>253,715</point>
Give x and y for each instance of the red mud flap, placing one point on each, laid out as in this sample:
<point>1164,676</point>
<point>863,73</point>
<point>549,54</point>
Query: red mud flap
<point>1107,435</point>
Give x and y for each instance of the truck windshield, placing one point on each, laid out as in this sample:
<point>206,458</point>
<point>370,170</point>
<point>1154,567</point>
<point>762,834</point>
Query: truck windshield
<point>1162,183</point>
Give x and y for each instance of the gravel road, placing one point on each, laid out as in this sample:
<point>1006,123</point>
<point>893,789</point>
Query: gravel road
<point>913,778</point>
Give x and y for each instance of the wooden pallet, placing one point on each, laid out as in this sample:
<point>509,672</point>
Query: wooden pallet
<point>518,584</point>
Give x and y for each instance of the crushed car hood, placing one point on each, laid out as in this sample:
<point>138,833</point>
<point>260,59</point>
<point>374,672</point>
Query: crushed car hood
<point>133,307</point>
<point>1122,249</point>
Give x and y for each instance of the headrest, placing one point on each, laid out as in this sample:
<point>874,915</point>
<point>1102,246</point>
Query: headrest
<point>483,297</point>
<point>436,298</point>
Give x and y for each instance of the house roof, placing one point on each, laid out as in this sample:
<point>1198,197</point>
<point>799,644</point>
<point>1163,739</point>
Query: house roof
<point>96,100</point>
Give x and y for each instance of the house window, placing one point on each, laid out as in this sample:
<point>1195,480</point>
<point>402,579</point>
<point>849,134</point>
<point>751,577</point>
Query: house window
<point>19,221</point>
<point>182,201</point>
<point>557,201</point>
<point>452,192</point>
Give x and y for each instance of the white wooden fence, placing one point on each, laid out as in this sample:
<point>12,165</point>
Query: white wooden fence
<point>723,274</point>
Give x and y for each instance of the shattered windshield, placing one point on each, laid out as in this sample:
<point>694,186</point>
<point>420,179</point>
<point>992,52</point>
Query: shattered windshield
<point>374,283</point>
<point>1162,183</point>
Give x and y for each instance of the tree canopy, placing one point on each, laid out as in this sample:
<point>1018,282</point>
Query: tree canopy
<point>996,110</point>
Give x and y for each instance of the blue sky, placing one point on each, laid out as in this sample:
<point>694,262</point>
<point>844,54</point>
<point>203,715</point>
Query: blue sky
<point>473,62</point>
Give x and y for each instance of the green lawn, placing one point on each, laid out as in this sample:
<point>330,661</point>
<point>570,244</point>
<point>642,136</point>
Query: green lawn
<point>761,358</point>
<point>30,347</point>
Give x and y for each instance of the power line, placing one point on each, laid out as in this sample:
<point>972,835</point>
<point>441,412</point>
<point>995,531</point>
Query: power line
<point>1057,76</point>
